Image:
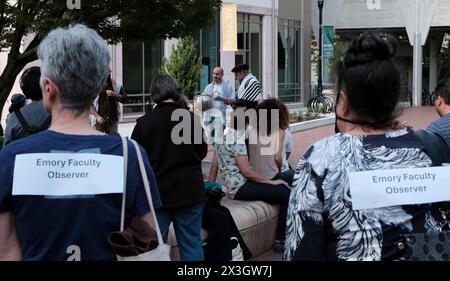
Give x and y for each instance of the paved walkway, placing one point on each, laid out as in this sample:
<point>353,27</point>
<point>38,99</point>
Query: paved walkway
<point>418,118</point>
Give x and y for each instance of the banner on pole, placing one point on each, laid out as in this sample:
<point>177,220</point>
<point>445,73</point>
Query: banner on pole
<point>229,27</point>
<point>328,42</point>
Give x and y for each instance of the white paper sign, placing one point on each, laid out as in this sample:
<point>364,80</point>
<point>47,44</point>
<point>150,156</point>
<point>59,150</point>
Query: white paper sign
<point>385,188</point>
<point>67,174</point>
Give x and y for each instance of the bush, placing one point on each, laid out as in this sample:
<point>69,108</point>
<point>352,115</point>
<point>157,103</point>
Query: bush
<point>184,66</point>
<point>297,117</point>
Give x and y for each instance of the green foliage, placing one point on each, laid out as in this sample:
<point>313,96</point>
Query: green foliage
<point>115,20</point>
<point>444,59</point>
<point>184,66</point>
<point>315,53</point>
<point>333,62</point>
<point>296,117</point>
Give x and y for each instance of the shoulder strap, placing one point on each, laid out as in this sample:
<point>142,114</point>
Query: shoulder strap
<point>22,120</point>
<point>146,186</point>
<point>32,129</point>
<point>125,173</point>
<point>435,146</point>
<point>46,124</point>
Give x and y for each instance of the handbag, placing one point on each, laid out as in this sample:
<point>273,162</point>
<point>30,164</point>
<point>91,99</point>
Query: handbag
<point>214,192</point>
<point>433,246</point>
<point>162,251</point>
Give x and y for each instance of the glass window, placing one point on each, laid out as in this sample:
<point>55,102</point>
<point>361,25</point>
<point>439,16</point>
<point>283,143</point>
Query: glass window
<point>141,63</point>
<point>255,49</point>
<point>250,43</point>
<point>132,76</point>
<point>209,53</point>
<point>207,49</point>
<point>289,60</point>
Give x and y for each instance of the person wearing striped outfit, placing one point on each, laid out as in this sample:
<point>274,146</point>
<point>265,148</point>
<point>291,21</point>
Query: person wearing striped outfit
<point>249,92</point>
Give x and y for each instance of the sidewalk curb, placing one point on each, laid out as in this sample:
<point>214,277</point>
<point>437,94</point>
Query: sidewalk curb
<point>307,125</point>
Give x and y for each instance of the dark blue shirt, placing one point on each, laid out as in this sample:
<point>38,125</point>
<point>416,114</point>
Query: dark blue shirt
<point>72,227</point>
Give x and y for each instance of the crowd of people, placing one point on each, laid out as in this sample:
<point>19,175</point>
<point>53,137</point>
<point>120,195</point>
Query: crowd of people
<point>317,220</point>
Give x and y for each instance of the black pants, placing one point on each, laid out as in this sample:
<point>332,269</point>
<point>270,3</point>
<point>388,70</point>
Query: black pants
<point>287,176</point>
<point>221,227</point>
<point>272,194</point>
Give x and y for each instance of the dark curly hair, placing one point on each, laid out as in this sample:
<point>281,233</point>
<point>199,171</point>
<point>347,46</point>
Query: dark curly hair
<point>164,87</point>
<point>29,83</point>
<point>273,103</point>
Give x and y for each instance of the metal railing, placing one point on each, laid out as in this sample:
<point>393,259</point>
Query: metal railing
<point>289,92</point>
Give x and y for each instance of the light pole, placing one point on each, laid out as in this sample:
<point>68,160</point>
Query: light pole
<point>319,80</point>
<point>320,103</point>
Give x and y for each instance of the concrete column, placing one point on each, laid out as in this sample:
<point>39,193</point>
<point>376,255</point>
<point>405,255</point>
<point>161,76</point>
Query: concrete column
<point>227,60</point>
<point>117,62</point>
<point>410,79</point>
<point>305,51</point>
<point>434,52</point>
<point>417,70</point>
<point>269,79</point>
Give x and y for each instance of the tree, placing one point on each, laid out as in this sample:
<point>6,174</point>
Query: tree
<point>115,20</point>
<point>333,62</point>
<point>184,65</point>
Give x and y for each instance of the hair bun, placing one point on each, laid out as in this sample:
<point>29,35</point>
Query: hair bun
<point>370,48</point>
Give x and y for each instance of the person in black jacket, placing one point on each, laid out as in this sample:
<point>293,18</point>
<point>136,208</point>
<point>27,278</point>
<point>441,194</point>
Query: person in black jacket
<point>176,163</point>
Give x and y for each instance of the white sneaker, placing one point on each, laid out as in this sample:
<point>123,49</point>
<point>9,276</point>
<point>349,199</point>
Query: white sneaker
<point>236,253</point>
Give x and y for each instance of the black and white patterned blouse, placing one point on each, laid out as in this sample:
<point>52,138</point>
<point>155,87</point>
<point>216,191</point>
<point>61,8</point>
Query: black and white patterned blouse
<point>321,224</point>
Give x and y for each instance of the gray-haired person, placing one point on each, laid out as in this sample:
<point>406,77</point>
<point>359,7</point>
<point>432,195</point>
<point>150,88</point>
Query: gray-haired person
<point>61,189</point>
<point>177,164</point>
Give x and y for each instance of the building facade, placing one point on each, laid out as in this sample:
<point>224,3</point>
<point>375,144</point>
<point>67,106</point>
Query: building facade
<point>269,40</point>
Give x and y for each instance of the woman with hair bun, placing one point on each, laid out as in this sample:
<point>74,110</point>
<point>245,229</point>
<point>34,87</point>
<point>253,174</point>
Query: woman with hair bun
<point>322,223</point>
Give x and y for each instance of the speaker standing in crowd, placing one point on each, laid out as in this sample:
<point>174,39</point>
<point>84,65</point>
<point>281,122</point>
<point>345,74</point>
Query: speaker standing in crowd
<point>250,91</point>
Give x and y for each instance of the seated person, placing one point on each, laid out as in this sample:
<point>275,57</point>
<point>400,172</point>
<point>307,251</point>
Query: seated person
<point>266,155</point>
<point>288,148</point>
<point>242,182</point>
<point>224,242</point>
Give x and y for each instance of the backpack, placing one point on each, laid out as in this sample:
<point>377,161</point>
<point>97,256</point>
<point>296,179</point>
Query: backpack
<point>32,129</point>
